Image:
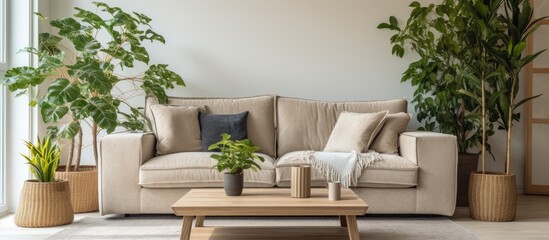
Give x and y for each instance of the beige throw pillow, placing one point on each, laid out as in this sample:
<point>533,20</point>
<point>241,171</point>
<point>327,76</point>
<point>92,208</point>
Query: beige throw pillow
<point>386,140</point>
<point>354,131</point>
<point>176,128</point>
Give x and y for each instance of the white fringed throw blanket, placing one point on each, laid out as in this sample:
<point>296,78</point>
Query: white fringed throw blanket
<point>336,166</point>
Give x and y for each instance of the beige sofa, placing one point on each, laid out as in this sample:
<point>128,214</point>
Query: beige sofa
<point>420,180</point>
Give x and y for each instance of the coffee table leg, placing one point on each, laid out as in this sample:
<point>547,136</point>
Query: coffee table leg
<point>186,228</point>
<point>352,228</point>
<point>343,221</point>
<point>199,221</point>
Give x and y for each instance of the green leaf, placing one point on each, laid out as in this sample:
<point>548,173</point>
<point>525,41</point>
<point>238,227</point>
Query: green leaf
<point>393,21</point>
<point>70,130</point>
<point>525,100</point>
<point>103,113</point>
<point>21,78</point>
<point>85,43</point>
<point>78,109</point>
<point>519,48</point>
<point>144,19</point>
<point>160,74</point>
<point>152,36</point>
<point>126,58</point>
<point>52,113</point>
<point>140,53</point>
<point>48,43</point>
<point>415,4</point>
<point>156,90</point>
<point>66,26</point>
<point>89,17</point>
<point>40,16</point>
<point>62,91</point>
<point>91,72</point>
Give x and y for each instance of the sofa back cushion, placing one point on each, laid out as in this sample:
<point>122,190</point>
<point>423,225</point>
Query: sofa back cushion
<point>307,124</point>
<point>261,123</point>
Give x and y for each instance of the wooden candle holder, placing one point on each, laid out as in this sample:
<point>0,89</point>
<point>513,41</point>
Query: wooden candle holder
<point>301,181</point>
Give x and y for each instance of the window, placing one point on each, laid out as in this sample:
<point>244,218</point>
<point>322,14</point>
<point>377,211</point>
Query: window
<point>3,68</point>
<point>3,205</point>
<point>3,62</point>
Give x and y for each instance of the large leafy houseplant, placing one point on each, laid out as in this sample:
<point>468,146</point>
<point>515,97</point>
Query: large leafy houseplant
<point>439,34</point>
<point>519,24</point>
<point>235,157</point>
<point>85,74</point>
<point>492,38</point>
<point>447,68</point>
<point>494,194</point>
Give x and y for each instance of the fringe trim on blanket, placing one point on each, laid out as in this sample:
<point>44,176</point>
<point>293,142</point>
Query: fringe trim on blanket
<point>363,160</point>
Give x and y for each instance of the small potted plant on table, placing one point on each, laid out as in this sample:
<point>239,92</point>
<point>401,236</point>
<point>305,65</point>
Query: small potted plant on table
<point>45,201</point>
<point>236,156</point>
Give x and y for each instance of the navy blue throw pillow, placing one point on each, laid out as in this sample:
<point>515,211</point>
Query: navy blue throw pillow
<point>213,125</point>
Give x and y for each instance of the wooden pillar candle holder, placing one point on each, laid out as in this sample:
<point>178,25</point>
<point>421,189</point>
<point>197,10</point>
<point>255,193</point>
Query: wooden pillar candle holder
<point>301,181</point>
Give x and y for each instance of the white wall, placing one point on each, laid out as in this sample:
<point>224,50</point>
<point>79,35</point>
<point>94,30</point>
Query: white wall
<point>318,49</point>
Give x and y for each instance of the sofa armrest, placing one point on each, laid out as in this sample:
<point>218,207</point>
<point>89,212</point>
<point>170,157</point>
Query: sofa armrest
<point>121,157</point>
<point>436,156</point>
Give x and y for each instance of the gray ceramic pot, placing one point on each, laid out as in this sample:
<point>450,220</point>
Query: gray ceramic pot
<point>233,184</point>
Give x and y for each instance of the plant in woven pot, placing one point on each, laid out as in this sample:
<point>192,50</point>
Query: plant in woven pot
<point>493,194</point>
<point>235,157</point>
<point>45,201</point>
<point>84,66</point>
<point>437,33</point>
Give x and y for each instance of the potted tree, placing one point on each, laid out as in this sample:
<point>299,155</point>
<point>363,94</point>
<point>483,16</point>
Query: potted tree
<point>84,66</point>
<point>493,194</point>
<point>236,156</point>
<point>40,196</point>
<point>437,34</point>
<point>478,46</point>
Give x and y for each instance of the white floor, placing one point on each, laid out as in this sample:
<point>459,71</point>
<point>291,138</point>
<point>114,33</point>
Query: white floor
<point>532,223</point>
<point>9,231</point>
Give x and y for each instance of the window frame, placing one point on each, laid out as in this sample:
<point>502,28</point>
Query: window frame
<point>3,163</point>
<point>3,36</point>
<point>3,92</point>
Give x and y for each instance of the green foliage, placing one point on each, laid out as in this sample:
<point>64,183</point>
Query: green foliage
<point>236,156</point>
<point>518,24</point>
<point>43,159</point>
<point>443,37</point>
<point>84,76</point>
<point>82,82</point>
<point>471,55</point>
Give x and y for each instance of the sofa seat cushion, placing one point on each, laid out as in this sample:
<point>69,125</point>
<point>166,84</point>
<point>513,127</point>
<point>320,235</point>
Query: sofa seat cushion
<point>194,170</point>
<point>393,172</point>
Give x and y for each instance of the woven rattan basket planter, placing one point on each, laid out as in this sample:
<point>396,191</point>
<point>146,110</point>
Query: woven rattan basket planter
<point>44,204</point>
<point>492,197</point>
<point>83,186</point>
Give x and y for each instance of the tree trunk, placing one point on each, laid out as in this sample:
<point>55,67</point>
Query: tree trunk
<point>79,152</point>
<point>461,122</point>
<point>509,126</point>
<point>483,122</point>
<point>70,157</point>
<point>94,136</point>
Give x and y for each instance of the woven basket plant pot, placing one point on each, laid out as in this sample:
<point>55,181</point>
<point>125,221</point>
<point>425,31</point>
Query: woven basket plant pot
<point>492,197</point>
<point>44,204</point>
<point>83,184</point>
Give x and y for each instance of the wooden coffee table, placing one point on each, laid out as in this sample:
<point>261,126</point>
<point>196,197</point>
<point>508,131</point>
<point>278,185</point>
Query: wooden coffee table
<point>266,202</point>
